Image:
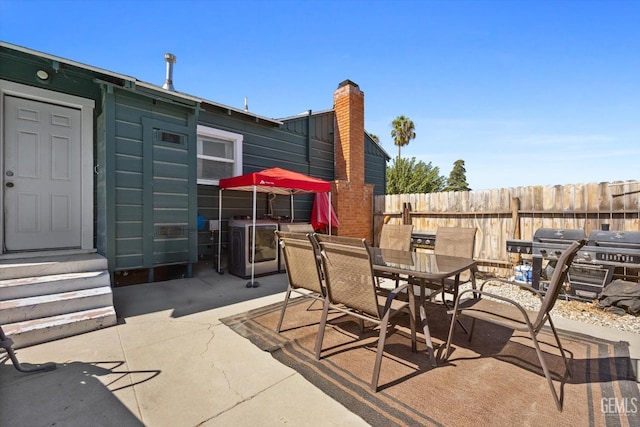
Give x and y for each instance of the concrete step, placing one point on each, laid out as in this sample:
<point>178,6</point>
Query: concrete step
<point>51,265</point>
<point>58,283</point>
<point>32,332</point>
<point>23,309</point>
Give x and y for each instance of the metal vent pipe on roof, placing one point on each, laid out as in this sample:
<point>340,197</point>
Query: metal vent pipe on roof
<point>168,83</point>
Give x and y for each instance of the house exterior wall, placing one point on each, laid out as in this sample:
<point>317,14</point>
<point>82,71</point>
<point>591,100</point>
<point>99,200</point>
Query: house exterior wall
<point>305,144</point>
<point>375,166</point>
<point>302,144</point>
<point>145,185</point>
<point>146,196</point>
<point>21,67</point>
<point>63,84</point>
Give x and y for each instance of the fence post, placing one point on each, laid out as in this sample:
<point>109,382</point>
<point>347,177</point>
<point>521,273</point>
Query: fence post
<point>515,219</point>
<point>406,213</point>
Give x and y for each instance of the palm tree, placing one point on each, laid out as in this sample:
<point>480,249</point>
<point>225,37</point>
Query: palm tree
<point>403,131</point>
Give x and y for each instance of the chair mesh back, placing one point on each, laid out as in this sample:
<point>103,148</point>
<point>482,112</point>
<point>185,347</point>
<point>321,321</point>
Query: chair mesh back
<point>456,241</point>
<point>557,280</point>
<point>349,276</point>
<point>396,236</point>
<point>300,260</point>
<point>343,240</point>
<point>293,227</point>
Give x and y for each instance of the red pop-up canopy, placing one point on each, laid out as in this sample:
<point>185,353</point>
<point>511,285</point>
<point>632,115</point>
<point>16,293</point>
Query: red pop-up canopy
<point>275,181</point>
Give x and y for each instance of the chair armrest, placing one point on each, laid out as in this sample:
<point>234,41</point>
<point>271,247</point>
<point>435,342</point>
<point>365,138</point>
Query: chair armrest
<point>519,285</point>
<point>489,294</point>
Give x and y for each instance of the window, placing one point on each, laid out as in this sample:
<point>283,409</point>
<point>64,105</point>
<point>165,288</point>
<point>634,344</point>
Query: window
<point>219,155</point>
<point>161,135</point>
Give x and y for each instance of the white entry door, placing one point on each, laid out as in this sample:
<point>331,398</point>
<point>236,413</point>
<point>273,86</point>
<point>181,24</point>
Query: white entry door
<point>41,175</point>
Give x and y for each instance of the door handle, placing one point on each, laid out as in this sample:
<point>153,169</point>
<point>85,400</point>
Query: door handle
<point>9,184</point>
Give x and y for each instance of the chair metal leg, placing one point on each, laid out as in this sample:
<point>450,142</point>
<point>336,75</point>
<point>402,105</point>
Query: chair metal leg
<point>378,363</point>
<point>284,308</point>
<point>562,352</point>
<point>455,298</point>
<point>412,320</point>
<point>361,324</point>
<point>450,337</point>
<point>323,323</point>
<point>547,374</point>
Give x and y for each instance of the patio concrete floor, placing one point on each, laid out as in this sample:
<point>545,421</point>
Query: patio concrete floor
<point>171,362</point>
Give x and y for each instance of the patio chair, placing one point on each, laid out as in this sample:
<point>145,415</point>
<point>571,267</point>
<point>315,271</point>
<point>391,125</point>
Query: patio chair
<point>394,236</point>
<point>459,242</point>
<point>509,314</point>
<point>351,289</point>
<point>303,272</point>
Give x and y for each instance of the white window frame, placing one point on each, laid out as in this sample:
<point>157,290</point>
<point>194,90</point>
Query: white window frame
<point>235,138</point>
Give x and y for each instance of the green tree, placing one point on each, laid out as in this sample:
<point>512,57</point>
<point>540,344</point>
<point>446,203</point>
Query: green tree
<point>403,131</point>
<point>406,176</point>
<point>374,137</point>
<point>457,180</point>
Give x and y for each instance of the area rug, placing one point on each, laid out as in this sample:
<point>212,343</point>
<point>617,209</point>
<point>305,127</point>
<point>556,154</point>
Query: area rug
<point>494,379</point>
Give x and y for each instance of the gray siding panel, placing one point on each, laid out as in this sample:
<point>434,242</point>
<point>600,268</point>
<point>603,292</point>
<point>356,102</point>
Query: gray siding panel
<point>129,163</point>
<point>128,213</point>
<point>176,217</point>
<point>126,230</point>
<point>375,169</point>
<point>168,200</point>
<point>129,246</point>
<point>128,179</point>
<point>302,144</point>
<point>170,170</point>
<point>153,207</point>
<point>129,196</point>
<point>288,147</point>
<point>172,186</point>
<point>129,262</point>
<point>129,147</point>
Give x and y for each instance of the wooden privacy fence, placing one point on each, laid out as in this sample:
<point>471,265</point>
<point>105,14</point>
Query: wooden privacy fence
<point>515,213</point>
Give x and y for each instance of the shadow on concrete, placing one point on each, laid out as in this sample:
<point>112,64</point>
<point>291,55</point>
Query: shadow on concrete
<point>206,290</point>
<point>74,394</point>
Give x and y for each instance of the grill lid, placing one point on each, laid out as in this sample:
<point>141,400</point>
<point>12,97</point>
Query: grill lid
<point>615,239</point>
<point>558,235</point>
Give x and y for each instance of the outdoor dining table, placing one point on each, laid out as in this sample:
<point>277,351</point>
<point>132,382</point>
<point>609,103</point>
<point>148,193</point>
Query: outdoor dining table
<point>421,268</point>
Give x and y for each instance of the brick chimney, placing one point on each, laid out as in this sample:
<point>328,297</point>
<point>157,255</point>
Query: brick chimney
<point>353,199</point>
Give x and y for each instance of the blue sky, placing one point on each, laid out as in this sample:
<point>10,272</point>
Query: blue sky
<point>541,92</point>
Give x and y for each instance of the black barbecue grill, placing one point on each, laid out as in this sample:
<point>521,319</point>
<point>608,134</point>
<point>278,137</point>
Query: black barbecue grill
<point>605,250</point>
<point>423,240</point>
<point>593,266</point>
<point>620,248</point>
<point>548,244</point>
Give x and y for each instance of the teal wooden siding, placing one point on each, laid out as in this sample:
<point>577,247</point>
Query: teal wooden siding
<point>149,191</point>
<point>21,67</point>
<point>290,146</point>
<point>146,196</point>
<point>375,166</point>
<point>302,144</point>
